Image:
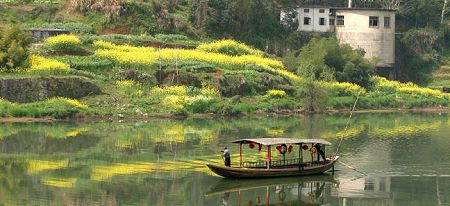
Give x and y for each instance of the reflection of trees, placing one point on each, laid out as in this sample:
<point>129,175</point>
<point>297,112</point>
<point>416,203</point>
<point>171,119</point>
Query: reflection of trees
<point>31,142</point>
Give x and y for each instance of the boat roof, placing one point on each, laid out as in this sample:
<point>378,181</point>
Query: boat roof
<point>278,141</point>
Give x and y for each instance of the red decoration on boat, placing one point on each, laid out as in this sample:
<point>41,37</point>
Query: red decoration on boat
<point>259,147</point>
<point>251,145</point>
<point>279,148</point>
<point>290,148</point>
<point>305,147</point>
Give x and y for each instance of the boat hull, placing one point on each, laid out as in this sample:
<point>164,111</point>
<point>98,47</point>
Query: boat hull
<point>239,172</point>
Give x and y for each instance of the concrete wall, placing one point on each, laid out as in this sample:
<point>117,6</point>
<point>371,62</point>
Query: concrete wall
<point>378,42</point>
<point>315,15</point>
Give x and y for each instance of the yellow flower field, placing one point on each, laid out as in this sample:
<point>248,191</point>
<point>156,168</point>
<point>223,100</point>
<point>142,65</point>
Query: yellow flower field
<point>145,57</point>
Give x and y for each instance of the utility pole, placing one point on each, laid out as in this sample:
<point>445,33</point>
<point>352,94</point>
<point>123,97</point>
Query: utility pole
<point>444,10</point>
<point>349,4</point>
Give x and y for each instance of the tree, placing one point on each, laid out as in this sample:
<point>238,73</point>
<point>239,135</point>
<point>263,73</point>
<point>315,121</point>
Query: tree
<point>14,48</point>
<point>325,59</point>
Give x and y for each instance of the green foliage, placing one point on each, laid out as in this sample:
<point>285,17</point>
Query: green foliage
<point>326,59</point>
<point>313,94</point>
<point>118,39</point>
<point>14,48</point>
<point>87,63</point>
<point>55,107</point>
<point>171,37</point>
<point>73,27</point>
<point>418,53</point>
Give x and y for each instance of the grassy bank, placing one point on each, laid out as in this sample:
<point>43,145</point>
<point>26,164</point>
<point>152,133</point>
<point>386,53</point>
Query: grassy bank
<point>222,78</point>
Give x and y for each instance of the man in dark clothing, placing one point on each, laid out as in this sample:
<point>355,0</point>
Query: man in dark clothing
<point>226,154</point>
<point>320,151</point>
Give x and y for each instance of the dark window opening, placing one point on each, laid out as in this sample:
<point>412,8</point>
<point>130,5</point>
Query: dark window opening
<point>321,10</point>
<point>373,21</point>
<point>387,22</point>
<point>340,20</point>
<point>306,21</point>
<point>322,21</point>
<point>306,10</point>
<point>332,22</point>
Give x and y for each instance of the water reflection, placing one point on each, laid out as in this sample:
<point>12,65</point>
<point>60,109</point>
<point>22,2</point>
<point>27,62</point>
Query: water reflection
<point>161,162</point>
<point>313,190</point>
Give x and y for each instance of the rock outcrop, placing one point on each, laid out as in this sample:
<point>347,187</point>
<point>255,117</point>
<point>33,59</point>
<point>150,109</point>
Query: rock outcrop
<point>25,90</point>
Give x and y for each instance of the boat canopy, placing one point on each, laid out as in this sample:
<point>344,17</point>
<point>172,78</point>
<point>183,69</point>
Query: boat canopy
<point>279,141</point>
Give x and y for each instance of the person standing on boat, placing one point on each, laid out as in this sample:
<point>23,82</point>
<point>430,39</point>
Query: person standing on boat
<point>226,154</point>
<point>320,151</point>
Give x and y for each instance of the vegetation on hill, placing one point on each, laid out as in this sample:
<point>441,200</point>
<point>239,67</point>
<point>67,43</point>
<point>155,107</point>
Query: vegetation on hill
<point>157,56</point>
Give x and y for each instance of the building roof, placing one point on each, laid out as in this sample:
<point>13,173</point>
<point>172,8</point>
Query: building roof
<point>279,141</point>
<point>346,8</point>
<point>363,9</point>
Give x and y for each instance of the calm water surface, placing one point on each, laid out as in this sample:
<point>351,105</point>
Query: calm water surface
<point>390,159</point>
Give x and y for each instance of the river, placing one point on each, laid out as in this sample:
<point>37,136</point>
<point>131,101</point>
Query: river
<point>386,159</point>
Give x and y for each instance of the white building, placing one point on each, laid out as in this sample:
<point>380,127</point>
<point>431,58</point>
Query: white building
<point>372,30</point>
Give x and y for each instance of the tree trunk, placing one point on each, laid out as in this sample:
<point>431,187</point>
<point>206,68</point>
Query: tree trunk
<point>444,8</point>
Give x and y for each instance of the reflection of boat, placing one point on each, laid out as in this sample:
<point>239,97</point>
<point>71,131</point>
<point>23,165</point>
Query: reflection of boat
<point>235,185</point>
<point>280,168</point>
<point>310,190</point>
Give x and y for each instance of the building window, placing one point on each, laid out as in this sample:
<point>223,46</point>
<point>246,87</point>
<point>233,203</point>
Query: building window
<point>340,20</point>
<point>322,11</point>
<point>331,22</point>
<point>387,22</point>
<point>306,10</point>
<point>322,21</point>
<point>373,21</point>
<point>306,21</point>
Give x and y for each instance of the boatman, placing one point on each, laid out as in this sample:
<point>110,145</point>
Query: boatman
<point>226,154</point>
<point>320,151</point>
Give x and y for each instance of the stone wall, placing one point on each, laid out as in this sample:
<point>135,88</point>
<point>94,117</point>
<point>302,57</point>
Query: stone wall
<point>40,88</point>
<point>40,34</point>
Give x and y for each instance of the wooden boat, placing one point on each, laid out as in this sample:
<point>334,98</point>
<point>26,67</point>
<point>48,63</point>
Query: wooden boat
<point>279,168</point>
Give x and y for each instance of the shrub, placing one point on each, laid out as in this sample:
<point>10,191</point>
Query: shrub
<point>229,47</point>
<point>14,45</point>
<point>73,27</point>
<point>58,107</point>
<point>276,93</point>
<point>118,39</point>
<point>64,43</point>
<point>169,90</point>
<point>86,63</point>
<point>343,88</point>
<point>171,37</point>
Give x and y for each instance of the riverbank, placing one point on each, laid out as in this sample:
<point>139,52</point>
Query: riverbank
<point>257,114</point>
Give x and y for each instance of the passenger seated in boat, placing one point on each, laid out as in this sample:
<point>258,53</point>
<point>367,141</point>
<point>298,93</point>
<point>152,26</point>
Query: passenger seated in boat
<point>320,151</point>
<point>226,154</point>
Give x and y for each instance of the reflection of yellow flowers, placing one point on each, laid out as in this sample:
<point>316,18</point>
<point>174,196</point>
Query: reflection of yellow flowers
<point>351,133</point>
<point>275,132</point>
<point>59,182</point>
<point>36,166</point>
<point>405,131</point>
<point>173,134</point>
<point>75,132</point>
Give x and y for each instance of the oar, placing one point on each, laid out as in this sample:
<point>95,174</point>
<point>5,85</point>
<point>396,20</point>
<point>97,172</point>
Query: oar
<point>352,168</point>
